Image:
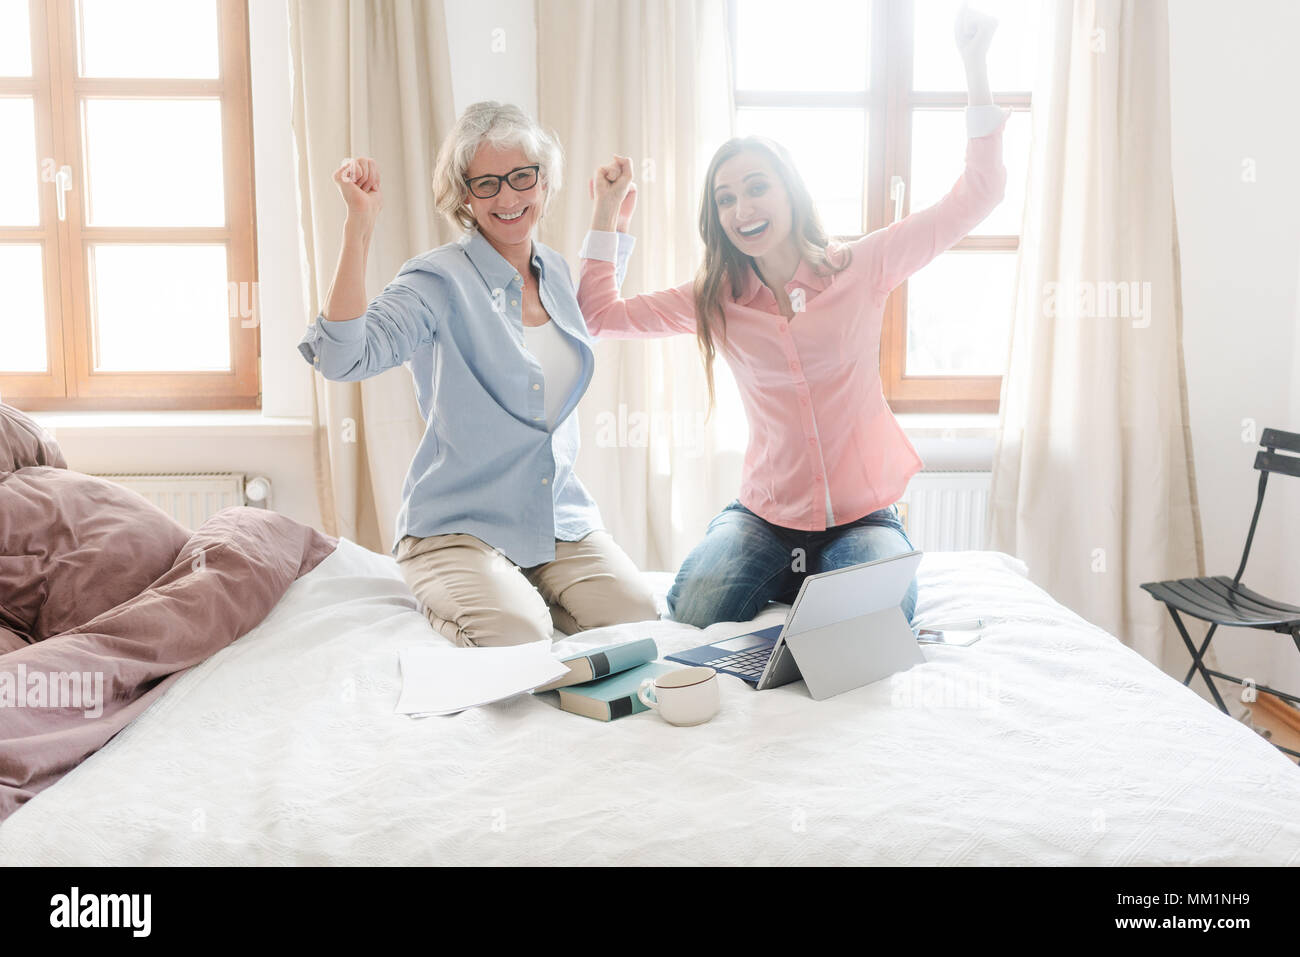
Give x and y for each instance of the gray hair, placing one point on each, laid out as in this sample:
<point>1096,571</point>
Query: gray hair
<point>502,125</point>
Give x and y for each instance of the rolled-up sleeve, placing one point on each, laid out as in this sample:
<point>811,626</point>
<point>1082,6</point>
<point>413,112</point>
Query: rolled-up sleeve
<point>984,119</point>
<point>395,322</point>
<point>610,247</point>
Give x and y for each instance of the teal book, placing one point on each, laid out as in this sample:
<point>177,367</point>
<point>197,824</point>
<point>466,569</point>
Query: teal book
<point>602,662</point>
<point>612,697</point>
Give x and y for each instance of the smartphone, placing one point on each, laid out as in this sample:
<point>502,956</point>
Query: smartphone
<point>960,633</point>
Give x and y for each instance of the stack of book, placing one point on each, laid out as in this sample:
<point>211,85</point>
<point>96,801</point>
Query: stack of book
<point>602,683</point>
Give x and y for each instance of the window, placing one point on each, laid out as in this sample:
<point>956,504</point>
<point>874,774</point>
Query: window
<point>869,94</point>
<point>126,215</point>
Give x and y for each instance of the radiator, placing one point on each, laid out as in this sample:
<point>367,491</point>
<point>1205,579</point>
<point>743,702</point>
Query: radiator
<point>191,498</point>
<point>945,511</point>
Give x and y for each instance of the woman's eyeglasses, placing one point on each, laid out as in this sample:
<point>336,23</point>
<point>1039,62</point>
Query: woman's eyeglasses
<point>485,187</point>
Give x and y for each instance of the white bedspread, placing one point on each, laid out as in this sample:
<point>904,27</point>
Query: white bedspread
<point>1047,742</point>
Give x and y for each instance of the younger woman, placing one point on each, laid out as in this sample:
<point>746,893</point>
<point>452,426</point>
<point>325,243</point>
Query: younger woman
<point>798,319</point>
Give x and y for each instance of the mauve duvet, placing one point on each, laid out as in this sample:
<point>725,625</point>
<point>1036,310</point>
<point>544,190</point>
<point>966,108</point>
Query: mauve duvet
<point>104,600</point>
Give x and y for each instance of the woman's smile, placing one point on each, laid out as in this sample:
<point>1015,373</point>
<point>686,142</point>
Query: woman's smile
<point>511,217</point>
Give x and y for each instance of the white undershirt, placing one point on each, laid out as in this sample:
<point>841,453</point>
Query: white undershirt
<point>561,365</point>
<point>830,516</point>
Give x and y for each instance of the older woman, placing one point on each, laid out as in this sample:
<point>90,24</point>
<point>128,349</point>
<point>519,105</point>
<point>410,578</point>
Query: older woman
<point>496,536</point>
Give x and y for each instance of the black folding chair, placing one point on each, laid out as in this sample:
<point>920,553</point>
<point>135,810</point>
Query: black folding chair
<point>1221,600</point>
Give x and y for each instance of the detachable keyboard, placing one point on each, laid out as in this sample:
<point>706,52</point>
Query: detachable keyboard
<point>745,656</point>
<point>747,663</point>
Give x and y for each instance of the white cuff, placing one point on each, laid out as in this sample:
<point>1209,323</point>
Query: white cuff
<point>600,245</point>
<point>983,120</point>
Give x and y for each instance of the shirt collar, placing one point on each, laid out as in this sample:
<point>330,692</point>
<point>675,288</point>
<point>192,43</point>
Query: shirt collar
<point>806,276</point>
<point>751,286</point>
<point>491,265</point>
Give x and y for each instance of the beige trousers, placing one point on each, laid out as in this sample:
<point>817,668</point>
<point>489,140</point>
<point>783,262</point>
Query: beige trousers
<point>477,597</point>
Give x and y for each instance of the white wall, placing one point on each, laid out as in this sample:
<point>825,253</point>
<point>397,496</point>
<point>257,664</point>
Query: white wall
<point>1234,79</point>
<point>280,450</point>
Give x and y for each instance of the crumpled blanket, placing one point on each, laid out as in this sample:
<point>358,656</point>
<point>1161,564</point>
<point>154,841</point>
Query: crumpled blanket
<point>64,696</point>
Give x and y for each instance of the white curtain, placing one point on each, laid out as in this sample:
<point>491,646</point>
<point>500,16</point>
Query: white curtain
<point>649,79</point>
<point>370,79</point>
<point>1093,478</point>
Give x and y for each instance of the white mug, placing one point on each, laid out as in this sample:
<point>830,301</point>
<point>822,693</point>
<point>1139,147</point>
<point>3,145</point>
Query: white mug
<point>683,697</point>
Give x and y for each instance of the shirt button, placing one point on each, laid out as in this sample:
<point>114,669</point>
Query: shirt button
<point>818,476</point>
<point>546,481</point>
<point>514,302</point>
<point>794,367</point>
<point>536,386</point>
<point>803,400</point>
<point>811,440</point>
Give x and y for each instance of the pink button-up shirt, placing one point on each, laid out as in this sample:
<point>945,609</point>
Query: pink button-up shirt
<point>820,429</point>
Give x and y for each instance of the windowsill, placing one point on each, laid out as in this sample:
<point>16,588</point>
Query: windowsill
<point>949,425</point>
<point>168,424</point>
<point>917,425</point>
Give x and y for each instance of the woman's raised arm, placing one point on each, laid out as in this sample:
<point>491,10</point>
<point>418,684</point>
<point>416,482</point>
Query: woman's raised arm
<point>353,338</point>
<point>892,254</point>
<point>358,183</point>
<point>666,313</point>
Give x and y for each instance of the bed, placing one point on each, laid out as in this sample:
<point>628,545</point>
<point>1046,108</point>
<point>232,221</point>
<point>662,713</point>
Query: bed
<point>1047,742</point>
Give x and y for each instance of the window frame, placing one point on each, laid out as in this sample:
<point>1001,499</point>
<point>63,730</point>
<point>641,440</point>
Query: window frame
<point>70,381</point>
<point>890,103</point>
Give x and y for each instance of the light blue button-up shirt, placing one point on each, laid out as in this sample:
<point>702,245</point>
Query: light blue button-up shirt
<point>487,465</point>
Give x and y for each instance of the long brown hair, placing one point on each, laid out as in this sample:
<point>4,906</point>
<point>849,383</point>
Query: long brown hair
<point>724,263</point>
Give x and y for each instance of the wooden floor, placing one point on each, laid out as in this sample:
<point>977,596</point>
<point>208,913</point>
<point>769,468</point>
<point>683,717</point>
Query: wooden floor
<point>1280,719</point>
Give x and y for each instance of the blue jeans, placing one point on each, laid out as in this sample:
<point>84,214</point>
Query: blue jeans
<point>744,562</point>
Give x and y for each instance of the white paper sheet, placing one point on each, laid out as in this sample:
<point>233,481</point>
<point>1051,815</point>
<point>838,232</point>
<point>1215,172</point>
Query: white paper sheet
<point>437,681</point>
